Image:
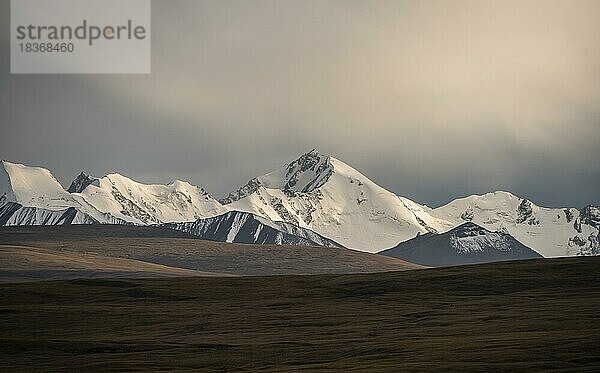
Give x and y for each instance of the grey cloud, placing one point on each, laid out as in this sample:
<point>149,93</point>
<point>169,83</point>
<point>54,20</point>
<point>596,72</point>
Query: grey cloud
<point>433,100</point>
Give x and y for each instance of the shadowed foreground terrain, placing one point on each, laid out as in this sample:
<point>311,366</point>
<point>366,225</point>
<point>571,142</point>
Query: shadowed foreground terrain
<point>175,252</point>
<point>20,263</point>
<point>535,314</point>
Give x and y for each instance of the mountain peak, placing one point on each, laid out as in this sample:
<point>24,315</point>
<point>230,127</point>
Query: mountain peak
<point>312,153</point>
<point>468,243</point>
<point>497,195</point>
<point>118,176</point>
<point>303,175</point>
<point>470,229</point>
<point>31,178</point>
<point>81,182</point>
<point>33,187</point>
<point>6,165</point>
<point>141,203</point>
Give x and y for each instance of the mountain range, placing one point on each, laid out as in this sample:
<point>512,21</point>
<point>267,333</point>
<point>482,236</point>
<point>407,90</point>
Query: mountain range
<point>315,199</point>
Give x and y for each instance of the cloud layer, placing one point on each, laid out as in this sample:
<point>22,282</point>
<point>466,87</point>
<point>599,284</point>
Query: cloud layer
<point>433,100</point>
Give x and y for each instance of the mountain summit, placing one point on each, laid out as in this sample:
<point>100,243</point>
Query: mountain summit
<point>326,195</point>
<point>33,196</point>
<point>81,182</point>
<point>149,203</point>
<point>303,175</point>
<point>465,244</point>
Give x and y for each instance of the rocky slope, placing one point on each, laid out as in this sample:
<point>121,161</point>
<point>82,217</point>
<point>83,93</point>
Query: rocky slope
<point>244,227</point>
<point>465,244</point>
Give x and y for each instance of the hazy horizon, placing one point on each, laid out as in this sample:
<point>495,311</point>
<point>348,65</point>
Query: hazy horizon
<point>431,100</point>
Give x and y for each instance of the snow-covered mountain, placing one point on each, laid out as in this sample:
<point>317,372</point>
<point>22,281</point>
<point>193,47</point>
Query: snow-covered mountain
<point>315,192</point>
<point>244,227</point>
<point>146,203</point>
<point>32,196</point>
<point>465,244</point>
<point>333,199</point>
<point>550,231</point>
<point>325,195</point>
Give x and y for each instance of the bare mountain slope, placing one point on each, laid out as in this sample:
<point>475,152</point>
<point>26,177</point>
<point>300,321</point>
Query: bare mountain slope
<point>465,244</point>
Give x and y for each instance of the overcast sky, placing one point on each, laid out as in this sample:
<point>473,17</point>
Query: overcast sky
<point>431,99</point>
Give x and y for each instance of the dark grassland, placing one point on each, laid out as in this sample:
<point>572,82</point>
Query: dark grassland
<point>528,315</point>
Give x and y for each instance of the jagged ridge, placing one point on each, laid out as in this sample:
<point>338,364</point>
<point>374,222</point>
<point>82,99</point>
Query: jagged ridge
<point>81,182</point>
